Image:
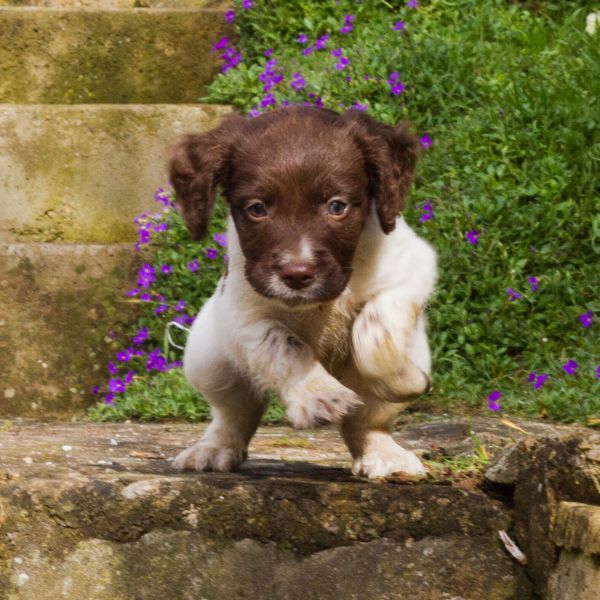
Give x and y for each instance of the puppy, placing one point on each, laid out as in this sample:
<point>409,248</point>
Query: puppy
<point>326,285</point>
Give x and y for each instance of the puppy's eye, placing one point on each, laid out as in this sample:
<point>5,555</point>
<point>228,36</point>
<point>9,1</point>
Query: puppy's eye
<point>257,210</point>
<point>337,208</point>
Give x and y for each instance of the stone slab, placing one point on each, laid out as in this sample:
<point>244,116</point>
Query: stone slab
<point>81,173</point>
<point>94,511</point>
<point>104,4</point>
<point>58,303</point>
<point>577,527</point>
<point>82,55</point>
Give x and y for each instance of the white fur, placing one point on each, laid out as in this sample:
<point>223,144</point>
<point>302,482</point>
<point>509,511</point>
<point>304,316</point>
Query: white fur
<point>243,344</point>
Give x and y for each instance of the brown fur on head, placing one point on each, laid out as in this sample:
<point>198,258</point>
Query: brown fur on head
<point>299,182</point>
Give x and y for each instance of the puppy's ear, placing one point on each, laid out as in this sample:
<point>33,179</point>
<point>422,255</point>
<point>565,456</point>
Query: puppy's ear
<point>198,163</point>
<point>390,155</point>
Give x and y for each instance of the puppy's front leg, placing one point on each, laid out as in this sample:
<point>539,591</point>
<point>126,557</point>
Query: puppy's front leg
<point>277,359</point>
<point>390,347</point>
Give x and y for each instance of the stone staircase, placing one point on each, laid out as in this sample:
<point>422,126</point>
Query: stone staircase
<point>92,93</point>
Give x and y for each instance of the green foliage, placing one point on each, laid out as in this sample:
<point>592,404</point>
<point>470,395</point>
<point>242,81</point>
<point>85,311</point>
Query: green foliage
<point>510,95</point>
<point>511,98</point>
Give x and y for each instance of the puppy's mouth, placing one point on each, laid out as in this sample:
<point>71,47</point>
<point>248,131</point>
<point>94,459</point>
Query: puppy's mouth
<point>296,292</point>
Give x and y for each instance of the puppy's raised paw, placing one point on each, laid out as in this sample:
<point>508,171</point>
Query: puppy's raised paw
<point>205,456</point>
<point>320,401</point>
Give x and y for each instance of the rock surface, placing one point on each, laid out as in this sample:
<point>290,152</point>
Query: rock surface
<point>77,499</point>
<point>94,511</point>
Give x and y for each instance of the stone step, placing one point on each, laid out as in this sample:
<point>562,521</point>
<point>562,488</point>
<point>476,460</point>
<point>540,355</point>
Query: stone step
<point>58,303</point>
<point>103,4</point>
<point>92,511</point>
<point>80,173</point>
<point>81,55</point>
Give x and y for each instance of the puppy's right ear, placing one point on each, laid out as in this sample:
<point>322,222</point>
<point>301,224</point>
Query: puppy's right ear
<point>198,163</point>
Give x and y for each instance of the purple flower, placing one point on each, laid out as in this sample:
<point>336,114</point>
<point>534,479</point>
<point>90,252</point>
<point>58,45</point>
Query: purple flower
<point>308,50</point>
<point>472,237</point>
<point>116,386</point>
<point>193,265</point>
<point>396,86</point>
<point>427,215</point>
<point>163,197</point>
<point>166,269</point>
<point>254,112</point>
<point>112,368</point>
<point>129,377</point>
<point>211,253</point>
<point>493,399</point>
<point>533,282</point>
<point>586,318</point>
<point>141,336</point>
<point>412,4</point>
<point>132,293</point>
<point>598,372</point>
<point>247,4</point>
<point>96,389</point>
<point>425,142</point>
<point>399,25</point>
<point>146,276</point>
<point>347,28</point>
<point>230,16</point>
<point>145,297</point>
<point>298,82</point>
<point>144,236</point>
<point>513,294</point>
<point>302,38</point>
<point>221,239</point>
<point>268,100</point>
<point>125,355</point>
<point>342,63</point>
<point>220,45</point>
<point>269,52</point>
<point>161,308</point>
<point>180,305</point>
<point>109,398</point>
<point>156,361</point>
<point>176,364</point>
<point>537,380</point>
<point>160,227</point>
<point>570,367</point>
<point>359,106</point>
<point>321,42</point>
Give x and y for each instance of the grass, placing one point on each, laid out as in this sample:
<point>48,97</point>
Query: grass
<point>510,95</point>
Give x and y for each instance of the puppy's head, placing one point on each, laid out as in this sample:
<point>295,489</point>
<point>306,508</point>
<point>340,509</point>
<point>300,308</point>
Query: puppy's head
<point>299,182</point>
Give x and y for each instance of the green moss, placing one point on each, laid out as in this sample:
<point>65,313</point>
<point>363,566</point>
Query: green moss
<point>108,56</point>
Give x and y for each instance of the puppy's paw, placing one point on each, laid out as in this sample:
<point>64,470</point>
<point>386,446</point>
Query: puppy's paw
<point>319,401</point>
<point>384,457</point>
<point>205,456</point>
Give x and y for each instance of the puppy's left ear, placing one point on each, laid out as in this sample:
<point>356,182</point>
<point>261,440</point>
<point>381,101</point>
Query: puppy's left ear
<point>390,155</point>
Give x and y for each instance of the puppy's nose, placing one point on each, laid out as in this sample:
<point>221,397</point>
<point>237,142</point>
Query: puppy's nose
<point>297,275</point>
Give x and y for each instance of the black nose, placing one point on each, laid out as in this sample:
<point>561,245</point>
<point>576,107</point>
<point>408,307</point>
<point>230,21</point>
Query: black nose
<point>297,275</point>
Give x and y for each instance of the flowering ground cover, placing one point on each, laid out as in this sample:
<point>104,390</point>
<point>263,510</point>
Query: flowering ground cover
<point>505,98</point>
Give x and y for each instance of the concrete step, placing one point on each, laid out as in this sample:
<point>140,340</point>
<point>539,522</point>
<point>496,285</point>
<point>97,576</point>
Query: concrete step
<point>81,55</point>
<point>80,173</point>
<point>58,303</point>
<point>103,4</point>
<point>92,511</point>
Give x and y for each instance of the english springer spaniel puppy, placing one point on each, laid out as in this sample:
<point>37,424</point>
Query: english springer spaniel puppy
<point>323,302</point>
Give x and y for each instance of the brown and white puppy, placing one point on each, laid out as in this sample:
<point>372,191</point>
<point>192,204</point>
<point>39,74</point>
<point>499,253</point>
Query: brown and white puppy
<point>323,300</point>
